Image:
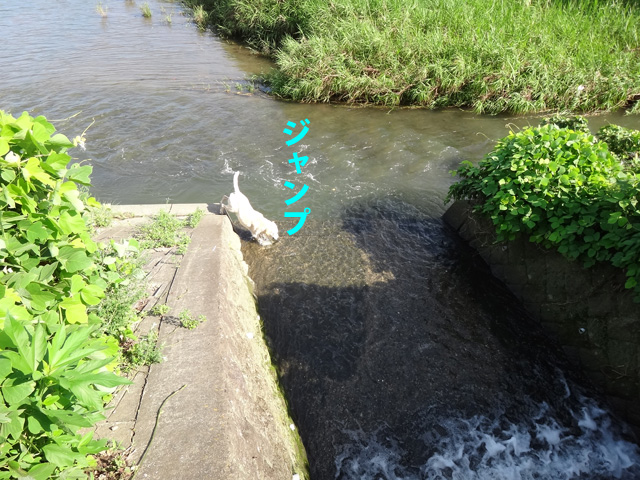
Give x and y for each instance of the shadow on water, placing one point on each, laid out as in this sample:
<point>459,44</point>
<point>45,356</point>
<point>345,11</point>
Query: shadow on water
<point>385,328</point>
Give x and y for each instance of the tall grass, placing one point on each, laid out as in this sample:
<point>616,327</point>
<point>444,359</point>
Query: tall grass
<point>491,55</point>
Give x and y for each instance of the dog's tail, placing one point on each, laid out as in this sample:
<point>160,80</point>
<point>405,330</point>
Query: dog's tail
<point>235,182</point>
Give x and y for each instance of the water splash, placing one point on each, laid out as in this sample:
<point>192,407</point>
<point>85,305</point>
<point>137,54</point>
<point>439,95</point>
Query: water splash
<point>492,448</point>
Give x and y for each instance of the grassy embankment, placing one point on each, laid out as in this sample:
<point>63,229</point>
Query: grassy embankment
<point>519,56</point>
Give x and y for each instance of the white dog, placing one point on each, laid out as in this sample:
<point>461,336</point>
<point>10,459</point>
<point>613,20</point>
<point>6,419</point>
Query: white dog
<point>263,230</point>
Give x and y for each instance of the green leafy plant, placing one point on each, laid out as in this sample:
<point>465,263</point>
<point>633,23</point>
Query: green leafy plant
<point>572,122</point>
<point>188,321</point>
<point>564,190</point>
<point>194,219</point>
<point>623,142</point>
<point>55,368</point>
<point>121,269</point>
<point>165,230</point>
<point>146,10</point>
<point>101,9</point>
<point>159,310</point>
<point>200,17</point>
<point>144,352</point>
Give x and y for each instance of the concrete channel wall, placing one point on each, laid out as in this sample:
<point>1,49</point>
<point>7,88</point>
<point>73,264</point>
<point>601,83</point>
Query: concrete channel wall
<point>212,409</point>
<point>588,311</point>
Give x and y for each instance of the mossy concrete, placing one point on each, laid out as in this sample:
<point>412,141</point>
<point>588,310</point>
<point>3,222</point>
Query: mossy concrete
<point>587,310</point>
<point>212,409</point>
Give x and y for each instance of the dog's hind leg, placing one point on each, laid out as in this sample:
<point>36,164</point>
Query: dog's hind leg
<point>225,208</point>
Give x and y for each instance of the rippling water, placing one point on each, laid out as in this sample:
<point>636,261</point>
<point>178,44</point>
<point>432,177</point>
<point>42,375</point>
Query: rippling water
<point>401,356</point>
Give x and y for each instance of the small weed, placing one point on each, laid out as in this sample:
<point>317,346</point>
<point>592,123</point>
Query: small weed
<point>165,231</point>
<point>98,217</point>
<point>102,10</point>
<point>200,17</point>
<point>146,10</point>
<point>187,320</point>
<point>194,218</point>
<point>144,352</point>
<point>167,19</point>
<point>250,87</point>
<point>159,310</point>
<point>239,87</point>
<point>115,310</point>
<point>111,465</point>
<point>227,88</point>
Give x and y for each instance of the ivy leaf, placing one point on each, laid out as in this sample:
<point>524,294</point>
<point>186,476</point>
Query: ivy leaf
<point>71,223</point>
<point>92,294</point>
<point>75,310</point>
<point>38,233</point>
<point>80,174</point>
<point>73,259</point>
<point>57,163</point>
<point>59,141</point>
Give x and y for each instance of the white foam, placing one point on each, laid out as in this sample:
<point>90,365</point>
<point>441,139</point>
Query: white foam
<point>481,448</point>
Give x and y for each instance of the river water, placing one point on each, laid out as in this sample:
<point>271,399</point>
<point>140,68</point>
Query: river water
<point>401,357</point>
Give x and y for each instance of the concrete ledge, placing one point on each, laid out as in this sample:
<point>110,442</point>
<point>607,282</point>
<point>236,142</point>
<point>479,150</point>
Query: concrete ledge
<point>155,208</point>
<point>212,409</point>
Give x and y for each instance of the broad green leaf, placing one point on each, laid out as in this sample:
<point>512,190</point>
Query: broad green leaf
<point>37,233</point>
<point>76,313</point>
<point>15,390</point>
<point>20,338</point>
<point>38,346</point>
<point>5,368</point>
<point>34,425</point>
<point>4,147</point>
<point>14,427</point>
<point>87,396</point>
<point>18,362</point>
<point>67,417</point>
<point>61,456</point>
<point>8,175</point>
<point>73,197</point>
<point>60,141</point>
<point>50,400</point>
<point>80,174</point>
<point>42,471</point>
<point>77,283</point>
<point>46,272</point>
<point>71,223</point>
<point>32,170</point>
<point>41,121</point>
<point>92,294</point>
<point>73,259</point>
<point>40,132</point>
<point>57,163</point>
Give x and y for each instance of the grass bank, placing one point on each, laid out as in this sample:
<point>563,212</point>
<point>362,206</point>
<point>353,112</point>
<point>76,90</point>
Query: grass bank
<point>520,56</point>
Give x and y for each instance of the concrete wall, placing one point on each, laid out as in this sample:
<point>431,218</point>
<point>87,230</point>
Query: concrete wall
<point>588,310</point>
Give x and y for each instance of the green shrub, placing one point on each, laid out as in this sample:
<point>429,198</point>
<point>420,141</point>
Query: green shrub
<point>564,190</point>
<point>54,372</point>
<point>623,142</point>
<point>572,122</point>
